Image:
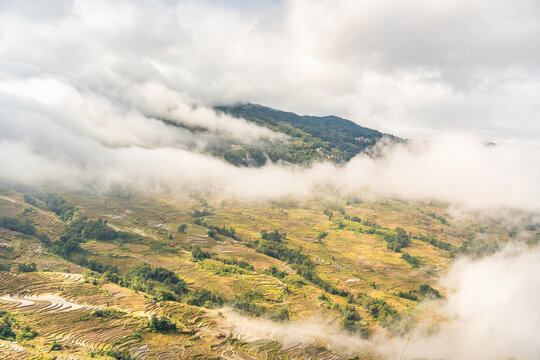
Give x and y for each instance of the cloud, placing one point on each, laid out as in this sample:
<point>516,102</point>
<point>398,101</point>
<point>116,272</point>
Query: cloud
<point>408,69</point>
<point>87,142</point>
<point>292,334</point>
<point>491,310</point>
<point>97,128</point>
<point>454,168</point>
<point>74,135</point>
<point>490,313</point>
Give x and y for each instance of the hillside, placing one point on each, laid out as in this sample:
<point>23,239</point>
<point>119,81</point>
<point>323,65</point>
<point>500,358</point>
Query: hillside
<point>342,133</point>
<point>308,138</point>
<point>145,277</point>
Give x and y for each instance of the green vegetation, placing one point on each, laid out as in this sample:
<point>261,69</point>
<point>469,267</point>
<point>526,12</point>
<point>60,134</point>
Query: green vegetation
<point>203,297</point>
<point>442,219</point>
<point>380,310</point>
<point>476,247</point>
<point>407,295</point>
<point>27,333</point>
<point>333,248</point>
<point>54,203</point>
<point>427,290</point>
<point>161,324</point>
<point>201,213</point>
<point>14,224</point>
<point>275,272</point>
<point>119,354</point>
<point>247,302</point>
<point>414,261</point>
<point>162,283</point>
<point>214,230</point>
<point>271,244</point>
<point>243,264</point>
<point>397,240</point>
<point>311,138</point>
<point>273,236</point>
<point>322,236</point>
<point>78,230</point>
<point>96,266</point>
<point>198,254</point>
<point>6,326</point>
<point>443,245</point>
<point>352,321</point>
<point>108,313</point>
<point>26,267</point>
<point>56,346</point>
<point>11,329</point>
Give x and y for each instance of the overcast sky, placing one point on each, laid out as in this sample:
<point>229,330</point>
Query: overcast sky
<point>409,68</point>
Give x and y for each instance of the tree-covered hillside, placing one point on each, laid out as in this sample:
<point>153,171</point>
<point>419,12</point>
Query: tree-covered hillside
<point>311,138</point>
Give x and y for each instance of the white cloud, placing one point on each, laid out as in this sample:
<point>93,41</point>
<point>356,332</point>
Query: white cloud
<point>85,95</point>
<point>491,310</point>
<point>406,68</point>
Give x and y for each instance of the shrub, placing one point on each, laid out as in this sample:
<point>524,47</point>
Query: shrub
<point>201,213</point>
<point>398,240</point>
<point>275,272</point>
<point>273,236</point>
<point>161,324</point>
<point>15,224</point>
<point>414,261</point>
<point>59,206</point>
<point>198,254</point>
<point>379,309</point>
<point>407,295</point>
<point>244,304</point>
<point>203,297</point>
<point>26,267</point>
<point>322,236</point>
<point>27,333</point>
<point>6,332</point>
<point>56,346</point>
<point>281,315</point>
<point>427,290</point>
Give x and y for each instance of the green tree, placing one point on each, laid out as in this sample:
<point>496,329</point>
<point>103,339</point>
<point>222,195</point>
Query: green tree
<point>161,324</point>
<point>27,267</point>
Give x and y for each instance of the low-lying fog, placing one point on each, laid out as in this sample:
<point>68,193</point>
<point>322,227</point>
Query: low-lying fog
<point>491,313</point>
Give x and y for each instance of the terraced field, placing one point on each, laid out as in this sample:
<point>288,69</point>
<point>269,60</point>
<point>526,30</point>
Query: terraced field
<point>335,265</point>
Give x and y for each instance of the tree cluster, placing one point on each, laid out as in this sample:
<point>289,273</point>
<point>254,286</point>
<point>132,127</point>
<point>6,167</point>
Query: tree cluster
<point>14,224</point>
<point>271,244</point>
<point>397,240</point>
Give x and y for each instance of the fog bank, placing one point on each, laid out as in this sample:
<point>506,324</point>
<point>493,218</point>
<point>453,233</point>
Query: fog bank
<point>490,313</point>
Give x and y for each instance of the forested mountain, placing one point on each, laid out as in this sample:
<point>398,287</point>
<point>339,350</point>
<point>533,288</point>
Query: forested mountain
<point>310,138</point>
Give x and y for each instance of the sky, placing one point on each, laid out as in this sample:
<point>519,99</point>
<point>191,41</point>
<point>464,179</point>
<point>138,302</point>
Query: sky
<point>408,68</point>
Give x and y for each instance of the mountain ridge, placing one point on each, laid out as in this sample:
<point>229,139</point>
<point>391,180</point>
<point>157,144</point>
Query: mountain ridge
<point>322,137</point>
